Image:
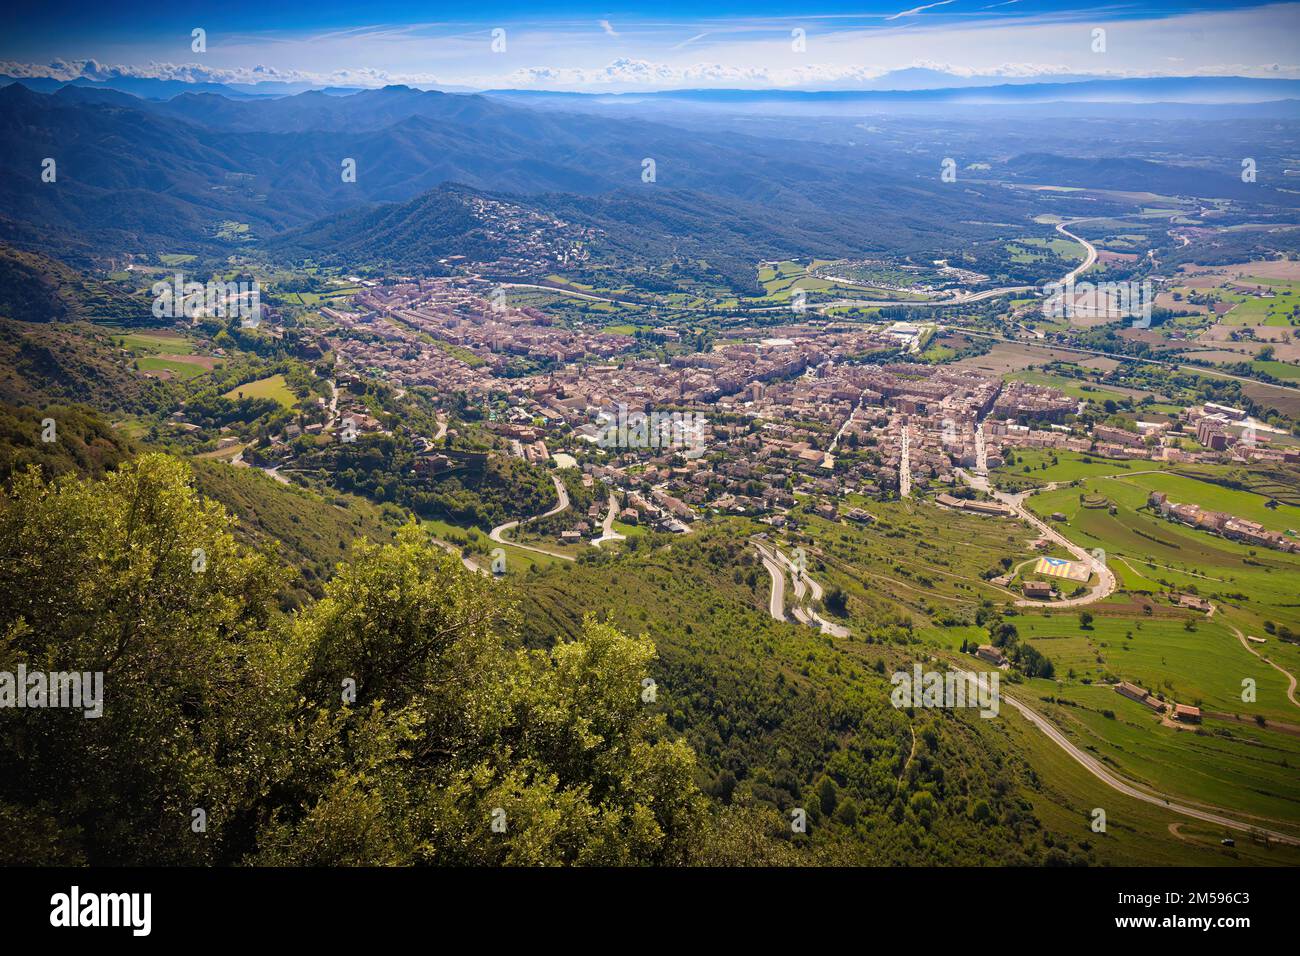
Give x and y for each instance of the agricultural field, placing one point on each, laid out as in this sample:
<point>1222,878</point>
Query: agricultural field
<point>1037,249</point>
<point>1136,833</point>
<point>1283,370</point>
<point>896,568</point>
<point>1226,764</point>
<point>1203,666</point>
<point>1150,553</point>
<point>165,354</point>
<point>781,280</point>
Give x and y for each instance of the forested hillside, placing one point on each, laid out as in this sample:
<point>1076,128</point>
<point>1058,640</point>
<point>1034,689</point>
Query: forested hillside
<point>388,723</point>
<point>783,717</point>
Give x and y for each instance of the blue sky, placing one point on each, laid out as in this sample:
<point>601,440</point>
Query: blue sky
<point>669,44</point>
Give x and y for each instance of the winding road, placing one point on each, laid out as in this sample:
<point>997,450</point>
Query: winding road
<point>776,602</point>
<point>1106,583</point>
<point>497,532</point>
<point>607,526</point>
<point>1098,770</point>
<point>774,561</point>
<point>1290,691</point>
<point>1090,251</point>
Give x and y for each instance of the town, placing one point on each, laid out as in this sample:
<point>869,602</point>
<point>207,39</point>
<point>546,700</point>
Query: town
<point>816,411</point>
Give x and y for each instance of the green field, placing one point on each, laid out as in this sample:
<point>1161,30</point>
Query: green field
<point>181,370</point>
<point>1204,667</point>
<point>1248,770</point>
<point>154,342</point>
<point>1069,466</point>
<point>1278,310</point>
<point>1282,370</point>
<point>1218,498</point>
<point>1256,584</point>
<point>1070,386</point>
<point>1137,833</point>
<point>273,387</point>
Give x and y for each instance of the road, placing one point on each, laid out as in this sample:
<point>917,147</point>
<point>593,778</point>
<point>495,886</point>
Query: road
<point>905,463</point>
<point>1106,583</point>
<point>1290,691</point>
<point>333,405</point>
<point>1091,251</point>
<point>497,532</point>
<point>1098,770</point>
<point>776,603</point>
<point>607,526</point>
<point>238,462</point>
<point>835,442</point>
<point>803,584</point>
<point>452,549</point>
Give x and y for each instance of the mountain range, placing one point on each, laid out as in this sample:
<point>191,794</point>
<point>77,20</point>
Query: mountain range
<point>144,175</point>
<point>205,173</point>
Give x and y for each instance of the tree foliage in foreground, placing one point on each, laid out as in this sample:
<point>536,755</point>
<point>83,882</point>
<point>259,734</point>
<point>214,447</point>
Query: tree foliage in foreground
<point>214,701</point>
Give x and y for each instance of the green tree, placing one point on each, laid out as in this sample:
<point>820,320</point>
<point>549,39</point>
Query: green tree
<point>397,720</point>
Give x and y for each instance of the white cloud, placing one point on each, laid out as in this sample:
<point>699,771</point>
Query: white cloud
<point>915,10</point>
<point>729,53</point>
<point>623,73</point>
<point>605,25</point>
<point>684,43</point>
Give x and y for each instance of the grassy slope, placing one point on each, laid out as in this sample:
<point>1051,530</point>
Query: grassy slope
<point>310,532</point>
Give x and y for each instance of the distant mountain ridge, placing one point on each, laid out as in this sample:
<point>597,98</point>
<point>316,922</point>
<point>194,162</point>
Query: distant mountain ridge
<point>910,83</point>
<point>1192,89</point>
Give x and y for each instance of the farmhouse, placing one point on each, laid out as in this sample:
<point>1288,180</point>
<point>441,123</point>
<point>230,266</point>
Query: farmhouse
<point>987,652</point>
<point>1141,695</point>
<point>1037,589</point>
<point>1187,713</point>
<point>1193,602</point>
